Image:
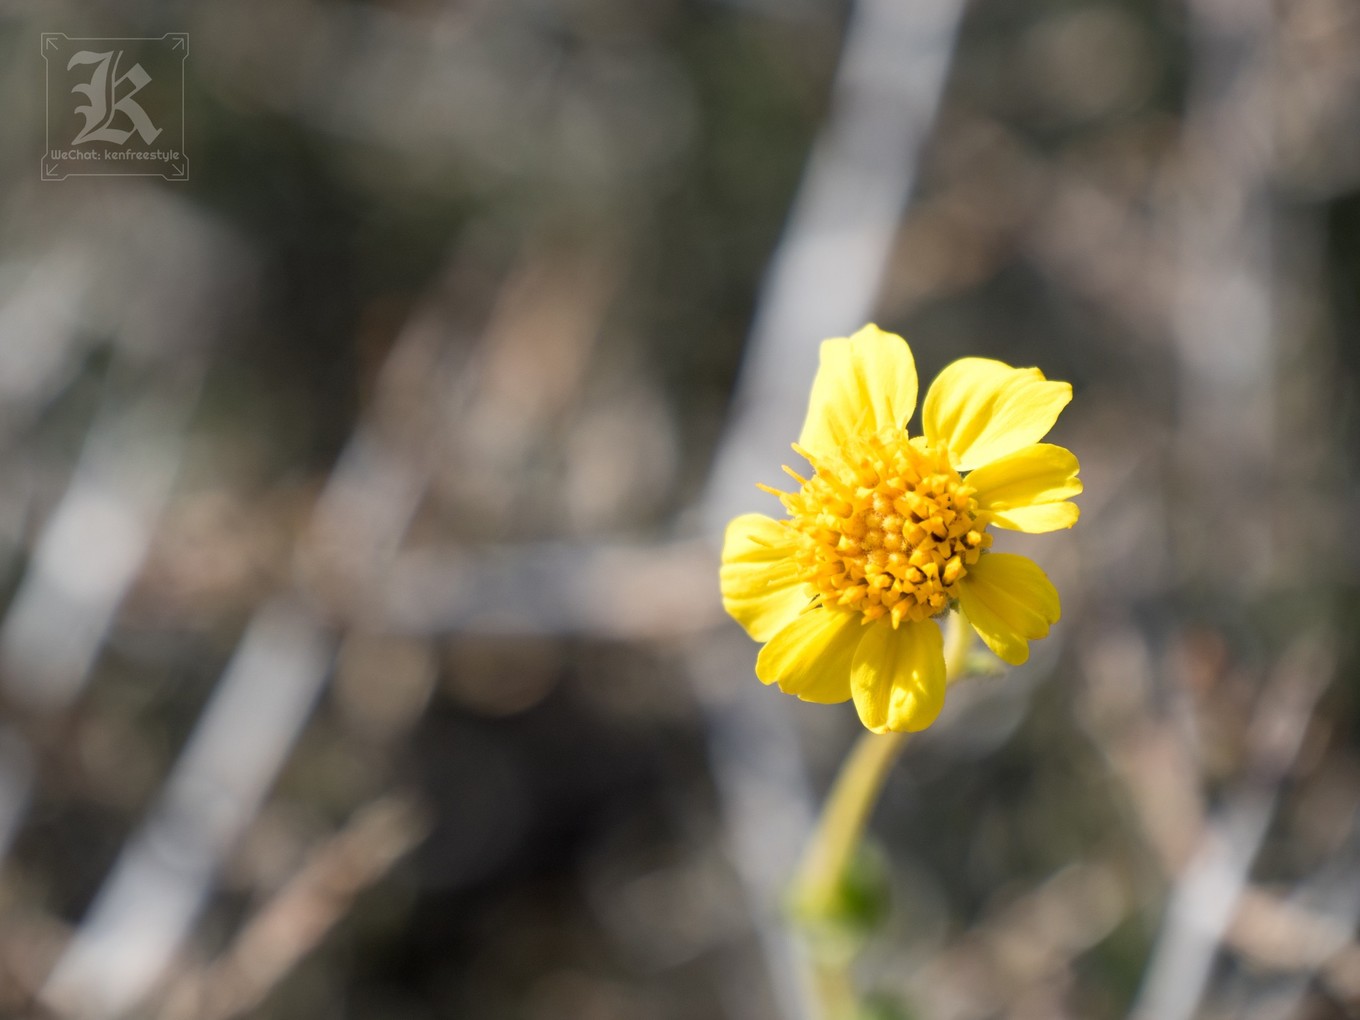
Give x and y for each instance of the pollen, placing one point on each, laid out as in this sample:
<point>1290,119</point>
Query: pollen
<point>886,528</point>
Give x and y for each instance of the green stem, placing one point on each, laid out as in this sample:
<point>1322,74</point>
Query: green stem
<point>838,834</point>
<point>843,820</point>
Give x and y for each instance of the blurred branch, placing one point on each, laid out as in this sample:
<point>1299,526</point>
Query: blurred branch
<point>299,916</point>
<point>1225,314</point>
<point>625,592</point>
<point>1206,895</point>
<point>1023,945</point>
<point>93,546</point>
<point>148,905</point>
<point>151,900</point>
<point>823,280</point>
<point>1287,935</point>
<point>164,873</point>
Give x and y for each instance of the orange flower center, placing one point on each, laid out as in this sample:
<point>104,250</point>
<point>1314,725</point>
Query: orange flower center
<point>886,526</point>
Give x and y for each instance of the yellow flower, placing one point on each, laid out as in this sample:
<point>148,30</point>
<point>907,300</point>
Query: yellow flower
<point>891,530</point>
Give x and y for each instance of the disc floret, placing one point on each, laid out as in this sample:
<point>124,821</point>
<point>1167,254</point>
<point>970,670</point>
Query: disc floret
<point>886,527</point>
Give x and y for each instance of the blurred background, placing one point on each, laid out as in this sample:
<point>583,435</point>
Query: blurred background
<point>361,653</point>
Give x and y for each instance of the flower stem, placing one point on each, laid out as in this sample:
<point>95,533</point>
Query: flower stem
<point>817,886</point>
<point>843,820</point>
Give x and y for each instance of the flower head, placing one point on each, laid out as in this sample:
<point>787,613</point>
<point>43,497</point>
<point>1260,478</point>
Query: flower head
<point>891,531</point>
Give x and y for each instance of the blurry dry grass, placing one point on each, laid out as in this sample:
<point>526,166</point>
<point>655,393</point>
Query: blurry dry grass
<point>359,492</point>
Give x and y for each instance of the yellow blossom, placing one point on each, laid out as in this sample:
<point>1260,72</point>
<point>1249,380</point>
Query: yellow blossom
<point>891,531</point>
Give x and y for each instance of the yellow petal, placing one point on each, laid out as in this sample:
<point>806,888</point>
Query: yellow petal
<point>1025,490</point>
<point>762,587</point>
<point>1010,602</point>
<point>1037,519</point>
<point>982,409</point>
<point>865,383</point>
<point>898,676</point>
<point>811,656</point>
